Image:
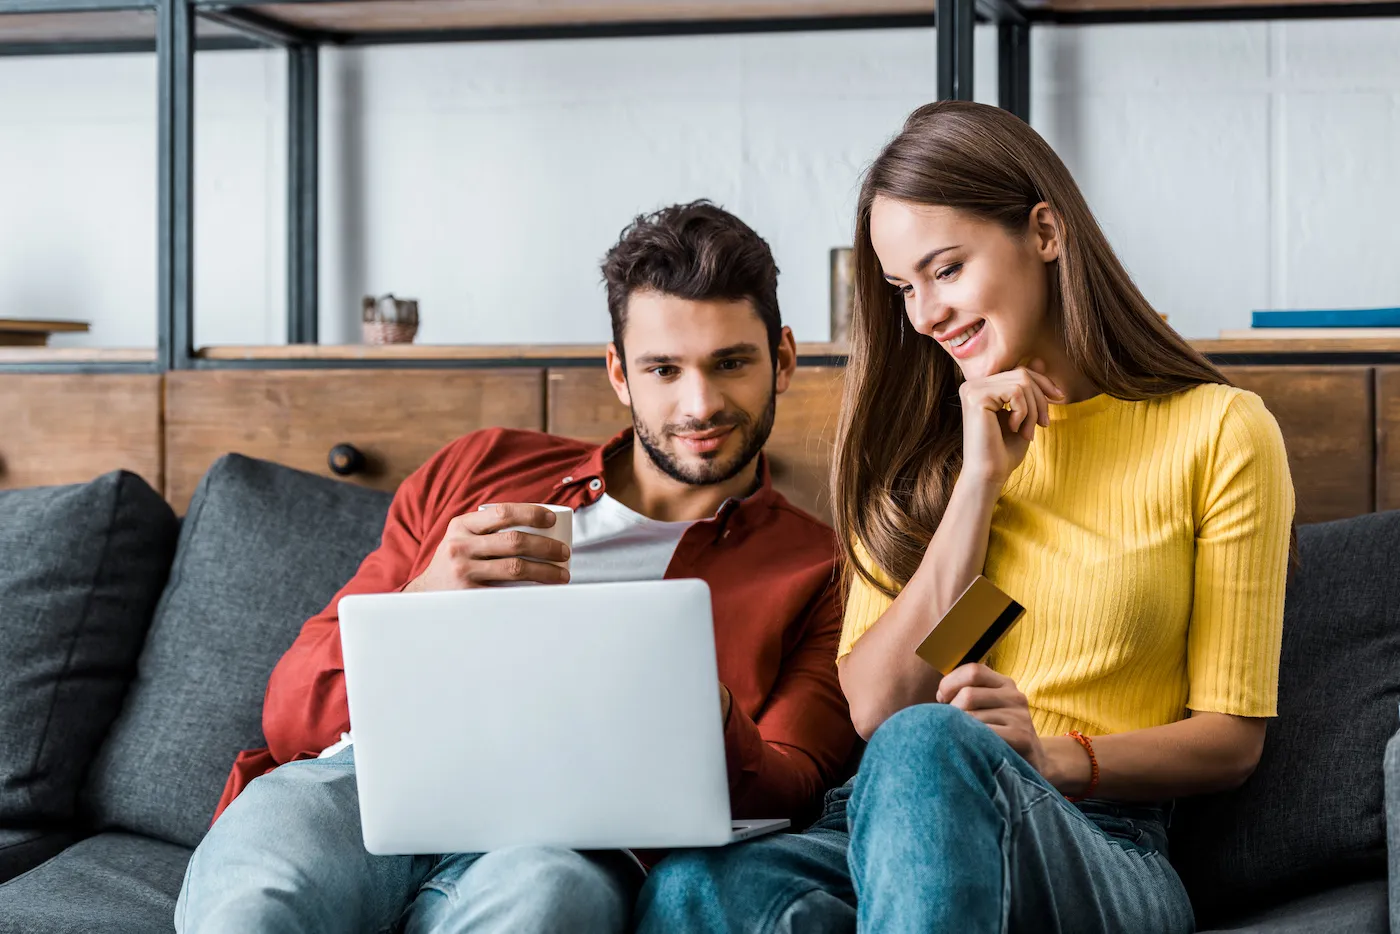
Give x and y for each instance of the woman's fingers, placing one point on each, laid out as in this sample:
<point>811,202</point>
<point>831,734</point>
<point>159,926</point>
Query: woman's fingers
<point>974,699</point>
<point>1042,404</point>
<point>1020,410</point>
<point>1046,384</point>
<point>973,674</point>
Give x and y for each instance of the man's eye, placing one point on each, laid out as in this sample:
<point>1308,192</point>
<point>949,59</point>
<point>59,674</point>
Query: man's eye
<point>731,364</point>
<point>664,372</point>
<point>948,272</point>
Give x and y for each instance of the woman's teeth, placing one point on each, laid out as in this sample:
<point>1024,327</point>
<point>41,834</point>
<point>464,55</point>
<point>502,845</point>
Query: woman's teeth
<point>967,335</point>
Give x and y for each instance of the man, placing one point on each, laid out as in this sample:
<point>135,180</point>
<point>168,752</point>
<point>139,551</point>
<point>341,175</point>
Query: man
<point>699,354</point>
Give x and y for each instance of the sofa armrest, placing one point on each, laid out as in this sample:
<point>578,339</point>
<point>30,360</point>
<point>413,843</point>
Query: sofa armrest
<point>1392,825</point>
<point>22,850</point>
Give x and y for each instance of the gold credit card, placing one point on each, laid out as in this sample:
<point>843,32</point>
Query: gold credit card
<point>970,628</point>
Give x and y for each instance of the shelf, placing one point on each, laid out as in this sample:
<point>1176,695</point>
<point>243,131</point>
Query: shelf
<point>370,21</point>
<point>1321,345</point>
<point>407,352</point>
<point>76,355</point>
<point>1086,12</point>
<point>102,31</point>
<point>812,352</point>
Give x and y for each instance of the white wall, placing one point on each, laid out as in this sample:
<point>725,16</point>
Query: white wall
<point>1234,166</point>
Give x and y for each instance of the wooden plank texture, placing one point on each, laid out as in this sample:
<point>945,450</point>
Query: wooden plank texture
<point>1388,437</point>
<point>1326,416</point>
<point>420,15</point>
<point>58,429</point>
<point>396,418</point>
<point>581,404</point>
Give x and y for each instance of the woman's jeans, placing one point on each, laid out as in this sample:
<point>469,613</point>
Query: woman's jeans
<point>945,829</point>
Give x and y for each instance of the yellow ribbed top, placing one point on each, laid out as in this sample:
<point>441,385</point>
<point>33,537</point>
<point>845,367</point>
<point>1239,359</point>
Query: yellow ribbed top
<point>1148,542</point>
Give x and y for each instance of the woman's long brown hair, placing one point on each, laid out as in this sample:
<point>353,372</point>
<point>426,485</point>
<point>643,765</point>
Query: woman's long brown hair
<point>899,442</point>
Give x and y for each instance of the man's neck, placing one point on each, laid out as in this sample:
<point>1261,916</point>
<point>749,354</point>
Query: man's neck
<point>641,486</point>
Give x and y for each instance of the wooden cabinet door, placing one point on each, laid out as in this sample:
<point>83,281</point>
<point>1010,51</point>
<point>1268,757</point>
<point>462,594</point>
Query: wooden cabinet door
<point>581,404</point>
<point>1326,416</point>
<point>1388,437</point>
<point>394,419</point>
<point>70,428</point>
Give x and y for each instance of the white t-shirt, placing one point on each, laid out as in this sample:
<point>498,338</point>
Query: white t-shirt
<point>611,543</point>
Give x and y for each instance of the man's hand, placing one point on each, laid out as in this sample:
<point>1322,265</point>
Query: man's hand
<point>475,552</point>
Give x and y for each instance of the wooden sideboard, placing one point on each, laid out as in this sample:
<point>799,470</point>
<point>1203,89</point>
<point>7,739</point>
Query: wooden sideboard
<point>1341,424</point>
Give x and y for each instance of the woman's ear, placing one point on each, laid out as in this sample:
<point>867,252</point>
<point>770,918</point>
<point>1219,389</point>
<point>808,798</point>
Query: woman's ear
<point>1045,232</point>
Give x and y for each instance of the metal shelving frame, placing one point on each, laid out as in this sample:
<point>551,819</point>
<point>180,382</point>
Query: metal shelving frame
<point>175,44</point>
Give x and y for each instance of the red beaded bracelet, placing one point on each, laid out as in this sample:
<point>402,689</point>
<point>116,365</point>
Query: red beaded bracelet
<point>1088,745</point>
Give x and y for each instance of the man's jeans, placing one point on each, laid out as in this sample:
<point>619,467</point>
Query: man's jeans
<point>287,856</point>
<point>945,829</point>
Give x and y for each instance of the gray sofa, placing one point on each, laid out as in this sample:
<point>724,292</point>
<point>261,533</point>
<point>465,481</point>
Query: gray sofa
<point>134,650</point>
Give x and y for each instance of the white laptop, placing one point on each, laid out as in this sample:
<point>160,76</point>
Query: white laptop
<point>585,716</point>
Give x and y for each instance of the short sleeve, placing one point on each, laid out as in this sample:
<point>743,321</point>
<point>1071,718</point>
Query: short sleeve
<point>1243,533</point>
<point>865,604</point>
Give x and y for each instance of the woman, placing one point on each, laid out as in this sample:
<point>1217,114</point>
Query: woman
<point>1015,408</point>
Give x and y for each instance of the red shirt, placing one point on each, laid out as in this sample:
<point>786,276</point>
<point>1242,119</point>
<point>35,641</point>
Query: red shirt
<point>771,571</point>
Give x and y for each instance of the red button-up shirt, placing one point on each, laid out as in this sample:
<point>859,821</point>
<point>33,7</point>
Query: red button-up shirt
<point>771,571</point>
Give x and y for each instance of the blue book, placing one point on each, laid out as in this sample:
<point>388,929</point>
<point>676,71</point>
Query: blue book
<point>1333,318</point>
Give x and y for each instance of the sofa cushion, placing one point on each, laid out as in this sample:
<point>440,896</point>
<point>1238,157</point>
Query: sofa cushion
<point>115,883</point>
<point>22,850</point>
<point>263,548</point>
<point>1312,815</point>
<point>81,569</point>
<point>1358,908</point>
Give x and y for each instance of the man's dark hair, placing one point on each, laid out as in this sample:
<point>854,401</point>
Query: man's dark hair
<point>696,251</point>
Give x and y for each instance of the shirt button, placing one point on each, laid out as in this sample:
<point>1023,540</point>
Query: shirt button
<point>568,480</point>
<point>595,484</point>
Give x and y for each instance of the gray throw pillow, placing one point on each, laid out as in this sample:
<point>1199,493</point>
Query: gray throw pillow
<point>263,548</point>
<point>1312,815</point>
<point>81,569</point>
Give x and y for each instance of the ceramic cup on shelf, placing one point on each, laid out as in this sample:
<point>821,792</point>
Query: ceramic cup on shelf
<point>388,320</point>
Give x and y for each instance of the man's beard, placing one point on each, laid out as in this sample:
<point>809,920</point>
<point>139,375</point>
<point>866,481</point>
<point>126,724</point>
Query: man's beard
<point>710,470</point>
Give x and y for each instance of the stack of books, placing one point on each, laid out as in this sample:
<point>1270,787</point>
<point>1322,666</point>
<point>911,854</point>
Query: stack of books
<point>1359,323</point>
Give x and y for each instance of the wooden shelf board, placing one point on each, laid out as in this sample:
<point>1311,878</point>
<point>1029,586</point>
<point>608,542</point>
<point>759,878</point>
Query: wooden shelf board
<point>37,325</point>
<point>77,355</point>
<point>440,352</point>
<point>1299,345</point>
<point>97,26</point>
<point>390,352</point>
<point>1096,6</point>
<point>388,16</point>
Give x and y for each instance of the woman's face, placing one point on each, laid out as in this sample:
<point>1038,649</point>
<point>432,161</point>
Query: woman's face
<point>978,289</point>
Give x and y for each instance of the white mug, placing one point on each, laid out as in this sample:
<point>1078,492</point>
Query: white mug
<point>563,530</point>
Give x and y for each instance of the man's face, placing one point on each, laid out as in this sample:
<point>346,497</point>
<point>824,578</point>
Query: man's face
<point>701,384</point>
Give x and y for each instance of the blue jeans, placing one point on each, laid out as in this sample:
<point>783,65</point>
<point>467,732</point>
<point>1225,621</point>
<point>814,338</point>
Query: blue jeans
<point>944,829</point>
<point>288,856</point>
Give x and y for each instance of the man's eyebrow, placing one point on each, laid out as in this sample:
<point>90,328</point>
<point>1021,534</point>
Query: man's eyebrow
<point>734,350</point>
<point>929,257</point>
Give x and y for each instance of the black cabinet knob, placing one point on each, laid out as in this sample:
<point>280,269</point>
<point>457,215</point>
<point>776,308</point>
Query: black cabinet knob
<point>346,460</point>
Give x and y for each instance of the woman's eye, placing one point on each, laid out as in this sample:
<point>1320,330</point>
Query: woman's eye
<point>906,290</point>
<point>948,272</point>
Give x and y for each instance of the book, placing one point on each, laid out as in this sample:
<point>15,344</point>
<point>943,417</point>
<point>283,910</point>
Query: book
<point>1328,318</point>
<point>1311,334</point>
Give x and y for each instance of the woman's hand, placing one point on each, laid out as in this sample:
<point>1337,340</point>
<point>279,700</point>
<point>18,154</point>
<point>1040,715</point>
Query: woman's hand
<point>994,699</point>
<point>1000,413</point>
